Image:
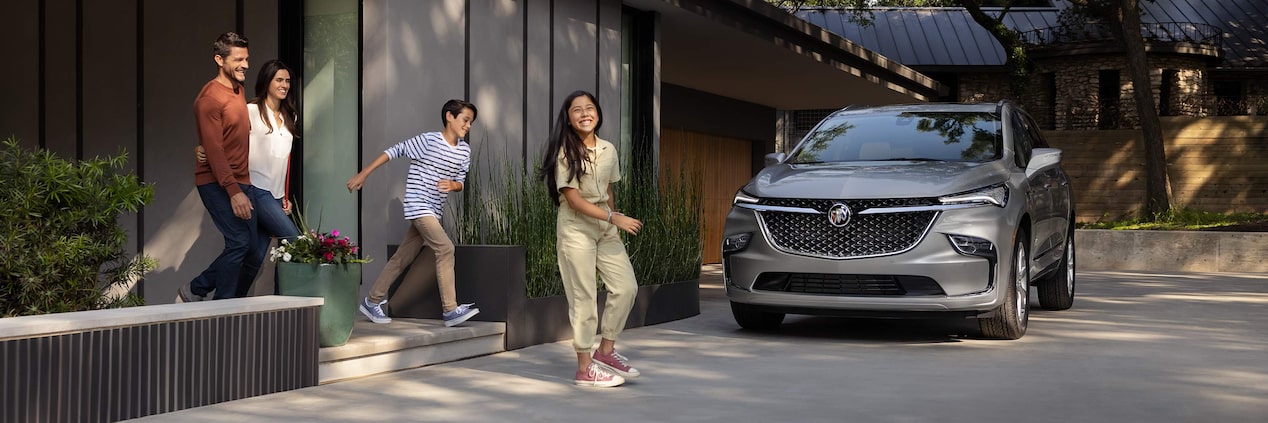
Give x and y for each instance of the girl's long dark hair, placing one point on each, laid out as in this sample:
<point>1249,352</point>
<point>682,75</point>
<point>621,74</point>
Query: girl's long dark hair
<point>290,109</point>
<point>563,137</point>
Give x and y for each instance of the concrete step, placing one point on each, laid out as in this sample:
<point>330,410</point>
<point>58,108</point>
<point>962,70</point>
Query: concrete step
<point>406,344</point>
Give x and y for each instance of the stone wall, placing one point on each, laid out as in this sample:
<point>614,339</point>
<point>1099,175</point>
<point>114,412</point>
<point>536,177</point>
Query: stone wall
<point>1216,164</point>
<point>1064,91</point>
<point>986,87</point>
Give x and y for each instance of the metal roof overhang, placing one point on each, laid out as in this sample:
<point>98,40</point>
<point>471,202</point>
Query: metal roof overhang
<point>752,51</point>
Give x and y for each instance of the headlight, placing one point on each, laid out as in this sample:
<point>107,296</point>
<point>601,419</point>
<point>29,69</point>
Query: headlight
<point>744,197</point>
<point>996,195</point>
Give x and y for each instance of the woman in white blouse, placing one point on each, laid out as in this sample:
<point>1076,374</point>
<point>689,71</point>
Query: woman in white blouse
<point>274,114</point>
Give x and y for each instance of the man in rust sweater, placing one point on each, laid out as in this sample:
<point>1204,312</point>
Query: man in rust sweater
<point>224,184</point>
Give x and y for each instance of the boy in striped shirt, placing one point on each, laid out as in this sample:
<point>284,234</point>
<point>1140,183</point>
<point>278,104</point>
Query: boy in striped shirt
<point>438,165</point>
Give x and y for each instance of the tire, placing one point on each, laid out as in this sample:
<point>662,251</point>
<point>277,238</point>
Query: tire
<point>1010,319</point>
<point>1056,291</point>
<point>748,318</point>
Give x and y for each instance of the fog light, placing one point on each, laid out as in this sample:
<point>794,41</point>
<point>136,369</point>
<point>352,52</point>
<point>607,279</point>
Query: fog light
<point>736,242</point>
<point>972,246</point>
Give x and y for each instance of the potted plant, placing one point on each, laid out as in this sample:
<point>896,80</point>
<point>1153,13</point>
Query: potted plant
<point>321,264</point>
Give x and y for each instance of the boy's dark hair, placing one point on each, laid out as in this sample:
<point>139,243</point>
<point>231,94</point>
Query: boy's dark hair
<point>227,41</point>
<point>454,107</point>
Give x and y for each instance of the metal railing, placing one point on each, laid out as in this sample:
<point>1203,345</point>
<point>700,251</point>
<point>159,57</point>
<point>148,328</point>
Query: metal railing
<point>1159,32</point>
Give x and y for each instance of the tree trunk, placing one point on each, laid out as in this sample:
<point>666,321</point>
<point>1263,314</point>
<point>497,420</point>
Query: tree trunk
<point>1156,198</point>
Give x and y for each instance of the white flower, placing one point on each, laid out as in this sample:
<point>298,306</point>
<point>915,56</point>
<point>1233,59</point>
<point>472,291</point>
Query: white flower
<point>286,257</point>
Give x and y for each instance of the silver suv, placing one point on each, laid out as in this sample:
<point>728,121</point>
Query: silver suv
<point>905,211</point>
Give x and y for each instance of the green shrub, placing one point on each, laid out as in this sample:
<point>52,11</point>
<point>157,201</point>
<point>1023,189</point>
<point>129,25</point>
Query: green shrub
<point>60,239</point>
<point>504,207</point>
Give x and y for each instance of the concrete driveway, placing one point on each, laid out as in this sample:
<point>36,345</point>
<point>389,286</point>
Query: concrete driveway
<point>1136,347</point>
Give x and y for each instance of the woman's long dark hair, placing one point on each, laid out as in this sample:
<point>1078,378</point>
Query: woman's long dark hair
<point>290,109</point>
<point>563,137</point>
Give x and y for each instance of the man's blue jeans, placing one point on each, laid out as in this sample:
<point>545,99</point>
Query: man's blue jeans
<point>246,240</point>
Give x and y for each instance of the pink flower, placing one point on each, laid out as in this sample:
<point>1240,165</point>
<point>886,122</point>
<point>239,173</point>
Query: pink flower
<point>335,232</point>
<point>330,256</point>
<point>354,250</point>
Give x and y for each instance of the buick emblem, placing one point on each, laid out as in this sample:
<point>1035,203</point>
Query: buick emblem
<point>839,215</point>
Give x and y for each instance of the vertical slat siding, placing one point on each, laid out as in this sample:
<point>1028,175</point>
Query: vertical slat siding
<point>128,372</point>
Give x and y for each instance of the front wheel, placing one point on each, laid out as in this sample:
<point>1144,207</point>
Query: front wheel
<point>749,318</point>
<point>1010,319</point>
<point>1056,291</point>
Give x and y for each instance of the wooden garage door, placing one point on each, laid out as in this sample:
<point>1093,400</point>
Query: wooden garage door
<point>726,165</point>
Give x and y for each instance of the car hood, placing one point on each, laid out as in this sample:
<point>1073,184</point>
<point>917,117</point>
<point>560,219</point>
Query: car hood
<point>874,179</point>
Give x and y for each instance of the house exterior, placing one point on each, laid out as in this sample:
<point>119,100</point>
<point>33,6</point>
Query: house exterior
<point>1207,57</point>
<point>97,76</point>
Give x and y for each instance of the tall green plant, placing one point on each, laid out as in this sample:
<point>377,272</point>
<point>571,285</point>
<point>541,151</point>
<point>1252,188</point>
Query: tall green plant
<point>504,207</point>
<point>668,247</point>
<point>60,239</point>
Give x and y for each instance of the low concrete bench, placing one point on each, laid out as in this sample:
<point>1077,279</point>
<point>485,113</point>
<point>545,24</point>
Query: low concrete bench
<point>117,364</point>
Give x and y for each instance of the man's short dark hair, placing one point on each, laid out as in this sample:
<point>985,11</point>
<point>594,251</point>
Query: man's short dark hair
<point>454,107</point>
<point>227,41</point>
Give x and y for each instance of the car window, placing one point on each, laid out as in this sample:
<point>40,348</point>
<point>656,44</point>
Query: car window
<point>940,136</point>
<point>1022,143</point>
<point>1036,138</point>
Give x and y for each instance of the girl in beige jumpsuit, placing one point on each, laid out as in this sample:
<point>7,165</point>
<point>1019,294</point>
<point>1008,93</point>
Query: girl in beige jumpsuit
<point>580,168</point>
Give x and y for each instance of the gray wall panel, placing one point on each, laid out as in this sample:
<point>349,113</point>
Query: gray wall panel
<point>497,82</point>
<point>541,109</point>
<point>59,89</point>
<point>609,71</point>
<point>110,89</point>
<point>575,38</point>
<point>178,61</point>
<point>260,27</point>
<point>110,79</point>
<point>19,85</point>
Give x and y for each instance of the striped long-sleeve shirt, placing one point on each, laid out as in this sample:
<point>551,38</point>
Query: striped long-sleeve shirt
<point>431,160</point>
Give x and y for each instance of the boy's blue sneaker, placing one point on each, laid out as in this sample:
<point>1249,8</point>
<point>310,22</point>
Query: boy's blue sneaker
<point>374,310</point>
<point>460,314</point>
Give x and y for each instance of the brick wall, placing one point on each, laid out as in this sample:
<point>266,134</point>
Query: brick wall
<point>1217,164</point>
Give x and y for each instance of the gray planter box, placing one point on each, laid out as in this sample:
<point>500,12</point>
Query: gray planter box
<point>493,277</point>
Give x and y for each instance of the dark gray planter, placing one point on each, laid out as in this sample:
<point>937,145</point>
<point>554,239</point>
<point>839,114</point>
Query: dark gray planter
<point>493,277</point>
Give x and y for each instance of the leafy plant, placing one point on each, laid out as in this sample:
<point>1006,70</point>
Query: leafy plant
<point>60,238</point>
<point>509,206</point>
<point>315,246</point>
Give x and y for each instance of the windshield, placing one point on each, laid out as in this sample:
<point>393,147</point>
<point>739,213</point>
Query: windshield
<point>919,136</point>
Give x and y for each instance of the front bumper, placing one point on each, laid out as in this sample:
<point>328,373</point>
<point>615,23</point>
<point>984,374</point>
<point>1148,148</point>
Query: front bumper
<point>968,283</point>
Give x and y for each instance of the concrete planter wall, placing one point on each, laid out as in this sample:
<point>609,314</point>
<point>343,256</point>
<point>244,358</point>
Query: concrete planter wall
<point>493,277</point>
<point>119,364</point>
<point>1171,251</point>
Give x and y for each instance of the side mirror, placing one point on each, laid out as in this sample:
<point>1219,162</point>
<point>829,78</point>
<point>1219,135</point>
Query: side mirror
<point>1042,158</point>
<point>774,158</point>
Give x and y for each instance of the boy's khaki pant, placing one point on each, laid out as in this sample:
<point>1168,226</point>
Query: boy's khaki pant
<point>427,231</point>
<point>585,246</point>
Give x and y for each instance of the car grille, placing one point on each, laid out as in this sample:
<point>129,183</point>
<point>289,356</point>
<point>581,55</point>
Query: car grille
<point>847,284</point>
<point>866,235</point>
